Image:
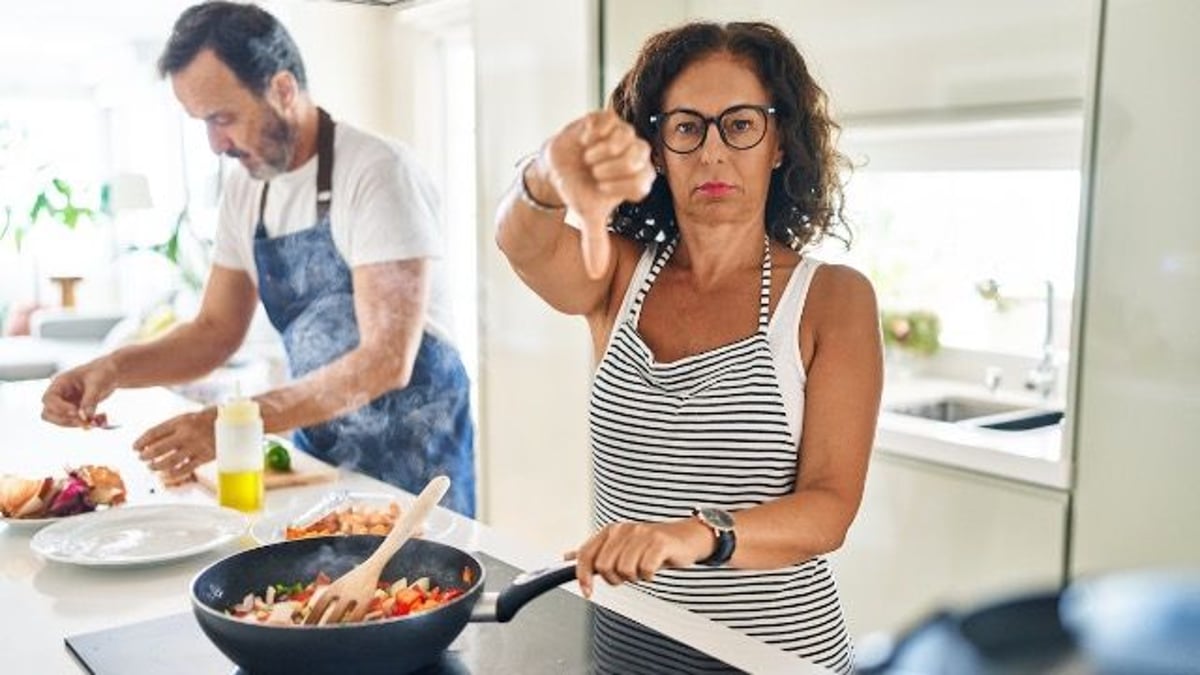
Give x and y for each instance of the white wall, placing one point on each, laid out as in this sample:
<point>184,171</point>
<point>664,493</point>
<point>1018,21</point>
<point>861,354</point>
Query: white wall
<point>532,79</point>
<point>347,51</point>
<point>1138,429</point>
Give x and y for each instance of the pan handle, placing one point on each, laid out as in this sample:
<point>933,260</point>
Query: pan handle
<point>503,606</point>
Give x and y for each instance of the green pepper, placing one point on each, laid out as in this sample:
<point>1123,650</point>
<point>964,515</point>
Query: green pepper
<point>286,590</point>
<point>277,457</point>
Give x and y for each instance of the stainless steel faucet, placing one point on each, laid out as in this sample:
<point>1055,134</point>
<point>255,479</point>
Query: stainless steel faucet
<point>1044,376</point>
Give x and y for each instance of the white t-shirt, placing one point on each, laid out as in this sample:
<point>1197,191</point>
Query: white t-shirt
<point>384,208</point>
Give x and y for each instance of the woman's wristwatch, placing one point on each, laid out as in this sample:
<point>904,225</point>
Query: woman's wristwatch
<point>721,523</point>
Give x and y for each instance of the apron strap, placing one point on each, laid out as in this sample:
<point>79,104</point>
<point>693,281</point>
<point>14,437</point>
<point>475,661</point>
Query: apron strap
<point>260,229</point>
<point>764,291</point>
<point>324,175</point>
<point>324,163</point>
<point>660,260</point>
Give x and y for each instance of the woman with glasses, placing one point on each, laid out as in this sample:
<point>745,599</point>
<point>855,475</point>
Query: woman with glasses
<point>737,386</point>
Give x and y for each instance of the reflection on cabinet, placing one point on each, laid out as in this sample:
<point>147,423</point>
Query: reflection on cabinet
<point>929,536</point>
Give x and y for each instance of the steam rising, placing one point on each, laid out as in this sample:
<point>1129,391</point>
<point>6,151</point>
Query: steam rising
<point>406,436</point>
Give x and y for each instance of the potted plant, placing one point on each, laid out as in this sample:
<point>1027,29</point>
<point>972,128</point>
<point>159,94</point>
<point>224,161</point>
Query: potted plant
<point>56,201</point>
<point>908,337</point>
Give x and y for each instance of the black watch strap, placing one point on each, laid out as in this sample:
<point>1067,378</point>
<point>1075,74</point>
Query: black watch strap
<point>725,544</point>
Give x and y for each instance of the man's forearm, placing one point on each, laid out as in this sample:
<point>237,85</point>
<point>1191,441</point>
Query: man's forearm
<point>350,382</point>
<point>185,353</point>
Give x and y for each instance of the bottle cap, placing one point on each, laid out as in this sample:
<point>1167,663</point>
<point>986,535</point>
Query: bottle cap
<point>239,409</point>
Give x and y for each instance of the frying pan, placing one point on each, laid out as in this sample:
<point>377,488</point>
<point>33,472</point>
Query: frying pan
<point>390,646</point>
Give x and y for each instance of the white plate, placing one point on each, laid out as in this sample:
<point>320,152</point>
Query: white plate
<point>30,523</point>
<point>270,528</point>
<point>139,535</point>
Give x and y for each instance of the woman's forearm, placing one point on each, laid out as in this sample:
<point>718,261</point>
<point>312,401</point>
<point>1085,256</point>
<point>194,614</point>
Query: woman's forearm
<point>790,530</point>
<point>526,230</point>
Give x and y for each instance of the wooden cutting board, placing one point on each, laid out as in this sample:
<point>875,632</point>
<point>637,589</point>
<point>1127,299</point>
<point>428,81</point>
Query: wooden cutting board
<point>306,470</point>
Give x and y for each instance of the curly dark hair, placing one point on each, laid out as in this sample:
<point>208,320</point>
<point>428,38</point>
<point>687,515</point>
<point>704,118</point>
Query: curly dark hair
<point>247,39</point>
<point>805,198</point>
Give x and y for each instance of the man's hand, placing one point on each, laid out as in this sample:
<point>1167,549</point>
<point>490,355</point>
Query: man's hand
<point>72,396</point>
<point>176,447</point>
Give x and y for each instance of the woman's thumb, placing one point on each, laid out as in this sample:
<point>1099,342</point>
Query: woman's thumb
<point>593,237</point>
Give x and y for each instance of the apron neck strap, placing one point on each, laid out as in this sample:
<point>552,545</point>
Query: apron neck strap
<point>324,163</point>
<point>324,173</point>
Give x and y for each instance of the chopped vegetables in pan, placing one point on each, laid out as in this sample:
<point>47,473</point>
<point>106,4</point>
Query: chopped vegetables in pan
<point>291,603</point>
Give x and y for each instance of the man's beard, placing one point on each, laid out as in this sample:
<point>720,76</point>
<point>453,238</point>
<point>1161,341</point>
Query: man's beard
<point>277,147</point>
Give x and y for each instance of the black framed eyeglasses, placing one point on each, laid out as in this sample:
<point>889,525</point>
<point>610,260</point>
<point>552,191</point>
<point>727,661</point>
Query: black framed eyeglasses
<point>741,127</point>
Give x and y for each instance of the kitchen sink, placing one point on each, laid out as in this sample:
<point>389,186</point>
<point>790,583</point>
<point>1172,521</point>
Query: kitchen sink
<point>1034,420</point>
<point>955,408</point>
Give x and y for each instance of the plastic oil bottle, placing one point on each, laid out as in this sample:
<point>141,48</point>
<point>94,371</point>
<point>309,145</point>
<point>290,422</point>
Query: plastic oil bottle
<point>239,439</point>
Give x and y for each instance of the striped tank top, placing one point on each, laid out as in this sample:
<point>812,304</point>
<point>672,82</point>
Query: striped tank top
<point>713,429</point>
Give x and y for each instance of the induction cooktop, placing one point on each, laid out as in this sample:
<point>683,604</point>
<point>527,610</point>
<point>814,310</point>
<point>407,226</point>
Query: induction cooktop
<point>558,633</point>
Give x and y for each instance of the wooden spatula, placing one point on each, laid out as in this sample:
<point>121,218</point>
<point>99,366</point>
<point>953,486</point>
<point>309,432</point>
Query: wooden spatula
<point>350,594</point>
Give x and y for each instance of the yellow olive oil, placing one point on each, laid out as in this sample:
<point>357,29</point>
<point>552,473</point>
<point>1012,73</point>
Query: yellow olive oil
<point>241,490</point>
<point>238,432</point>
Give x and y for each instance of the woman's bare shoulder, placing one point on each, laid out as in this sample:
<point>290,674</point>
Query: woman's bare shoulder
<point>841,293</point>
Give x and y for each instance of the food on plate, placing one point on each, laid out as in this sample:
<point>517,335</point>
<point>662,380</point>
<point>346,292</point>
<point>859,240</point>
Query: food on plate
<point>98,421</point>
<point>83,489</point>
<point>290,604</point>
<point>276,456</point>
<point>23,498</point>
<point>351,519</point>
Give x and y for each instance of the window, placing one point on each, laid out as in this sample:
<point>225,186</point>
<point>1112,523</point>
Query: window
<point>941,211</point>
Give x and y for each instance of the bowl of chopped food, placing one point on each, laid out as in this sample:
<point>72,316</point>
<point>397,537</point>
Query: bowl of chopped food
<point>252,605</point>
<point>342,512</point>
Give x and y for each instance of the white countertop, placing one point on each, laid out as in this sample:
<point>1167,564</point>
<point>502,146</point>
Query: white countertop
<point>45,601</point>
<point>1036,456</point>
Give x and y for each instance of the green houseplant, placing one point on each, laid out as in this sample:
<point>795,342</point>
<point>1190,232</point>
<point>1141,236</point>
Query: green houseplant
<point>173,249</point>
<point>56,200</point>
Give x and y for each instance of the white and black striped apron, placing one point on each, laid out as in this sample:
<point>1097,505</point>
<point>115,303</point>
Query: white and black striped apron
<point>709,429</point>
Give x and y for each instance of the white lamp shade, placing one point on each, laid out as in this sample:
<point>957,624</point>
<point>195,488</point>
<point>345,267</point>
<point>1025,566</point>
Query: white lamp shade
<point>129,192</point>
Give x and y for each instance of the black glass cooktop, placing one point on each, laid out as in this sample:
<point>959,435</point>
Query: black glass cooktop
<point>557,633</point>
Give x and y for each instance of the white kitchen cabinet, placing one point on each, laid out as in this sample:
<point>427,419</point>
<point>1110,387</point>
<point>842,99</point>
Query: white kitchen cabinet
<point>1137,447</point>
<point>929,536</point>
<point>884,58</point>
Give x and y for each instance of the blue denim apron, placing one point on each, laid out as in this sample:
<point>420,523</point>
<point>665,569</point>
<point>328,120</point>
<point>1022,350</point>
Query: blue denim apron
<point>406,436</point>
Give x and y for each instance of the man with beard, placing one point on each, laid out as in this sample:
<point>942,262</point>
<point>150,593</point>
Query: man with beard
<point>333,229</point>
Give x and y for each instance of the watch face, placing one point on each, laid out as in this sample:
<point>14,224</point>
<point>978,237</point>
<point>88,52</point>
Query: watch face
<point>718,518</point>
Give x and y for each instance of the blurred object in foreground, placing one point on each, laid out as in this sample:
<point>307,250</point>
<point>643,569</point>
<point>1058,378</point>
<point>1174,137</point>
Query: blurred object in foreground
<point>1132,623</point>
